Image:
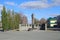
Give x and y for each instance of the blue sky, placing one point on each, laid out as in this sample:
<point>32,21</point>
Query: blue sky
<point>40,8</point>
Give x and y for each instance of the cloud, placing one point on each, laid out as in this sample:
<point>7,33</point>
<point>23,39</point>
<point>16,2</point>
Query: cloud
<point>56,2</point>
<point>40,4</point>
<point>34,4</point>
<point>54,14</point>
<point>11,3</point>
<point>1,6</point>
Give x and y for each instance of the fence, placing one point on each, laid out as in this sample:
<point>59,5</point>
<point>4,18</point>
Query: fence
<point>27,26</point>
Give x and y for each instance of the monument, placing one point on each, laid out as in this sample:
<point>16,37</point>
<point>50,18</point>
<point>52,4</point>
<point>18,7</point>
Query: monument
<point>32,21</point>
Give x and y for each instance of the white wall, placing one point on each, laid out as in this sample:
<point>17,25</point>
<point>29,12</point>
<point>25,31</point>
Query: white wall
<point>22,28</point>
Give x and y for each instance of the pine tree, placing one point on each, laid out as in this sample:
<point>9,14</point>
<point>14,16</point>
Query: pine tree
<point>4,18</point>
<point>12,21</point>
<point>9,19</point>
<point>17,20</point>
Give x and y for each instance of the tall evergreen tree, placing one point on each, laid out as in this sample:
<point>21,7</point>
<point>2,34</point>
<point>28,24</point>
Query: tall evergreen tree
<point>13,21</point>
<point>17,20</point>
<point>4,18</point>
<point>9,19</point>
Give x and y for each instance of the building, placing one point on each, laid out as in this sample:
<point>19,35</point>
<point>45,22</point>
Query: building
<point>58,21</point>
<point>52,22</point>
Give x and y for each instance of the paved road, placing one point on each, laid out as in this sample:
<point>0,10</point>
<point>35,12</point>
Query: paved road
<point>31,35</point>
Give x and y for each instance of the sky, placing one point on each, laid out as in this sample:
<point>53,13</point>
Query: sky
<point>40,8</point>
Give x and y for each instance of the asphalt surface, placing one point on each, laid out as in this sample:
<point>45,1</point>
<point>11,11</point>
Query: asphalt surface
<point>31,35</point>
